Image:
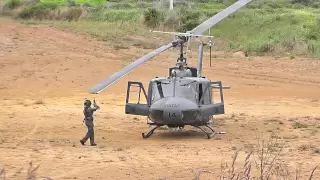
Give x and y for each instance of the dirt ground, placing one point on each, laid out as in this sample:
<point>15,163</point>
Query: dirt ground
<point>45,75</point>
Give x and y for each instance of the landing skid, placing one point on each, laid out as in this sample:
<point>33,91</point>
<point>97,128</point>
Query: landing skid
<point>150,132</point>
<point>209,135</point>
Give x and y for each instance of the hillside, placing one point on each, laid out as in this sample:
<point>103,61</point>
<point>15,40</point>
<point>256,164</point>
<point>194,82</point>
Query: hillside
<point>285,27</point>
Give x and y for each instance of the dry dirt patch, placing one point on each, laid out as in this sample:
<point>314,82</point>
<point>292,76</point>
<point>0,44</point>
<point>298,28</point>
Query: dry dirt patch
<point>46,72</point>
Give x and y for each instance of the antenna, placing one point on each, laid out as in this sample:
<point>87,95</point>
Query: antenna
<point>210,45</point>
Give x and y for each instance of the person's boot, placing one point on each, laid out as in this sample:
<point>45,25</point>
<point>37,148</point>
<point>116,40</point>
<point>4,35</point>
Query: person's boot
<point>93,144</point>
<point>82,142</point>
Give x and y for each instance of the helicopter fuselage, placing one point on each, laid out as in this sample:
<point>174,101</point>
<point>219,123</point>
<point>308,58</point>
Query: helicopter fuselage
<point>185,97</point>
<point>178,101</point>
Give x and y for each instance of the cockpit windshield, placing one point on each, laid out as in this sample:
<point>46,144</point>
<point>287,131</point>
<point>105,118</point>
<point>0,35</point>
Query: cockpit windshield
<point>183,89</point>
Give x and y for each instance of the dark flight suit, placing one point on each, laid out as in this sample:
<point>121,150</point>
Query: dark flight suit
<point>88,114</point>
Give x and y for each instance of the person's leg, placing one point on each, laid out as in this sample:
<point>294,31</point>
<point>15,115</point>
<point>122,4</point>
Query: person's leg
<point>92,137</point>
<point>88,134</point>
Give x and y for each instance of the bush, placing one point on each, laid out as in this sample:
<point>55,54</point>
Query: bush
<point>142,5</point>
<point>172,20</point>
<point>38,11</point>
<point>12,4</point>
<point>73,14</point>
<point>188,25</point>
<point>152,17</point>
<point>301,1</point>
<point>27,12</point>
<point>71,3</point>
<point>316,5</point>
<point>122,6</point>
<point>189,20</point>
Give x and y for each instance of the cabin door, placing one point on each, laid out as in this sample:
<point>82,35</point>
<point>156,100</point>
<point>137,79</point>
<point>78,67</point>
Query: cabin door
<point>136,101</point>
<point>214,105</point>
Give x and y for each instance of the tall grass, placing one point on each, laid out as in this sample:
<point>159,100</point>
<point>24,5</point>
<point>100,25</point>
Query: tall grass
<point>263,27</point>
<point>31,173</point>
<point>262,161</point>
<point>270,30</point>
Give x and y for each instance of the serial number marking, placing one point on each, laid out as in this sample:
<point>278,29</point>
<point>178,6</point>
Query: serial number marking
<point>171,105</point>
<point>172,115</point>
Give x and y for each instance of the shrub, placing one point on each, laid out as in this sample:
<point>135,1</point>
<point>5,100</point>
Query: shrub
<point>172,20</point>
<point>12,4</point>
<point>73,14</point>
<point>122,6</point>
<point>152,17</point>
<point>27,12</point>
<point>39,11</point>
<point>141,5</point>
<point>71,3</point>
<point>188,25</point>
<point>189,20</point>
<point>301,1</point>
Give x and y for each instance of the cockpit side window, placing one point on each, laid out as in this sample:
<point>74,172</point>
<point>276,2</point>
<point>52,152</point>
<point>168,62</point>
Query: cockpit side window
<point>200,93</point>
<point>206,96</point>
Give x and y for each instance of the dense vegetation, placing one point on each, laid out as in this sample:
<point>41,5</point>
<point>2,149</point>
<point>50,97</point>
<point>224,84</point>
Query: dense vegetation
<point>269,26</point>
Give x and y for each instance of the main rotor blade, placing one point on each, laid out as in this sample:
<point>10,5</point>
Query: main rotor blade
<point>218,17</point>
<point>104,84</point>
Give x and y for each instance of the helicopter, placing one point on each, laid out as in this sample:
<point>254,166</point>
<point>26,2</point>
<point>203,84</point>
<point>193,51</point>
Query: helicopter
<point>183,98</point>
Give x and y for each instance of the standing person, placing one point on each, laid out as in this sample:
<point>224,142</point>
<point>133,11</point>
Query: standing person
<point>88,119</point>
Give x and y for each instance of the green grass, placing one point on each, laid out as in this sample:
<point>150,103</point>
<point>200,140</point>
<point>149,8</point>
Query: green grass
<point>63,2</point>
<point>272,30</point>
<point>115,15</point>
<point>263,27</point>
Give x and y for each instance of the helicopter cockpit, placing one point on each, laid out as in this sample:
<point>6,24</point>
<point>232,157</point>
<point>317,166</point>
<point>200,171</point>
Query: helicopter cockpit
<point>191,89</point>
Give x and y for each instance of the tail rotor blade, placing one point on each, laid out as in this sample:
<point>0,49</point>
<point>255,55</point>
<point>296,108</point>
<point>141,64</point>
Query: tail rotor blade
<point>106,83</point>
<point>219,17</point>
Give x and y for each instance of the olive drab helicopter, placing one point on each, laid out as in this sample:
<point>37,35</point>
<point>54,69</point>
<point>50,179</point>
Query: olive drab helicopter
<point>183,98</point>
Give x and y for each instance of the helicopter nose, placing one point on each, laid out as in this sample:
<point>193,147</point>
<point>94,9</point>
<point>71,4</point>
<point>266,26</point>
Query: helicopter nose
<point>176,108</point>
<point>173,110</point>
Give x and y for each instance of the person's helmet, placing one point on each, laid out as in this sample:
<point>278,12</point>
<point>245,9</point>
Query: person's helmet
<point>87,103</point>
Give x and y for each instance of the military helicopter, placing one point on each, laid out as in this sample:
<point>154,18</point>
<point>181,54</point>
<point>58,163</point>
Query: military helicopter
<point>183,98</point>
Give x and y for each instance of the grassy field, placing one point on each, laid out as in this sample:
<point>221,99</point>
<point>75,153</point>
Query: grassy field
<point>63,2</point>
<point>263,27</point>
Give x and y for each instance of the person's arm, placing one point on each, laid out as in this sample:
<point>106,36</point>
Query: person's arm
<point>95,106</point>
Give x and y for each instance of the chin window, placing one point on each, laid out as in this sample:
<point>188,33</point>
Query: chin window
<point>156,114</point>
<point>190,115</point>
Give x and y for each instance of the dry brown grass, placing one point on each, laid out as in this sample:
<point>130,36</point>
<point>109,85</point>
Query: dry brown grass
<point>2,174</point>
<point>265,157</point>
<point>39,101</point>
<point>31,173</point>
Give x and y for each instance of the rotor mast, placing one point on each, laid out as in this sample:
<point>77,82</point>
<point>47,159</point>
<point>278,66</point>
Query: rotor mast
<point>183,37</point>
<point>182,60</point>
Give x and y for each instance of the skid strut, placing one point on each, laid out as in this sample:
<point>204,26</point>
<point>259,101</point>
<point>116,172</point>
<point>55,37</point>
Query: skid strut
<point>149,133</point>
<point>209,135</point>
